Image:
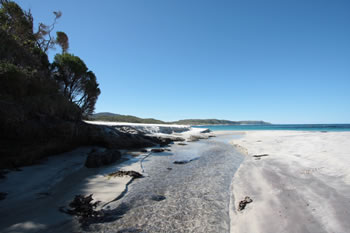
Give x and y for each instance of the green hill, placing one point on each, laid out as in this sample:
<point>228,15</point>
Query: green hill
<point>107,116</point>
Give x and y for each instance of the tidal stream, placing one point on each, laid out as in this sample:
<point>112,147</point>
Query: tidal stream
<point>191,197</point>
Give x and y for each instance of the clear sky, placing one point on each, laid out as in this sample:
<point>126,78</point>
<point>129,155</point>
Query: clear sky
<point>282,61</point>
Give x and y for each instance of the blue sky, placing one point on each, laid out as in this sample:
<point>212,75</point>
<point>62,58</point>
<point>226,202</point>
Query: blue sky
<point>282,61</point>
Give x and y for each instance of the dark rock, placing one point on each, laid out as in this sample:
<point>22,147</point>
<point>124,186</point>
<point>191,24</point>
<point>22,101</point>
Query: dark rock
<point>3,174</point>
<point>97,159</point>
<point>157,150</point>
<point>206,131</point>
<point>165,141</point>
<point>143,150</point>
<point>158,198</point>
<point>182,144</point>
<point>169,168</point>
<point>132,174</point>
<point>243,203</point>
<point>178,139</point>
<point>184,161</point>
<point>181,161</point>
<point>3,195</point>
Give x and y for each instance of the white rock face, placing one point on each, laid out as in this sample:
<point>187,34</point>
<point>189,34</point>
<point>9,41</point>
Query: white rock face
<point>147,128</point>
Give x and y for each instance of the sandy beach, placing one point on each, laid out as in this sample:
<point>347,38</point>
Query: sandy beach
<point>302,185</point>
<point>298,181</point>
<point>36,193</point>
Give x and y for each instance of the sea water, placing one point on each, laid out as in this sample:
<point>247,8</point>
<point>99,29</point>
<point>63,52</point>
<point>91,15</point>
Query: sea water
<point>299,127</point>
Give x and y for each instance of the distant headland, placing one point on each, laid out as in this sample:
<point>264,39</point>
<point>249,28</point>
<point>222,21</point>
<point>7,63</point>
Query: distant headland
<point>107,116</point>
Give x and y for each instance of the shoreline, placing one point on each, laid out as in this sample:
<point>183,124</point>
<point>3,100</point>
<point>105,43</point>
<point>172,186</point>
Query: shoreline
<point>304,179</point>
<point>33,204</point>
<point>300,180</point>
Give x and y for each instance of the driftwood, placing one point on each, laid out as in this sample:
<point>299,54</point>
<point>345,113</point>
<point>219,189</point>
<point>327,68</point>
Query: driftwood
<point>242,204</point>
<point>259,156</point>
<point>132,174</point>
<point>84,208</point>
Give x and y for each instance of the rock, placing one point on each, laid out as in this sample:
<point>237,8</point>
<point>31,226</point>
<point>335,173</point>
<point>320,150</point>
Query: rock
<point>184,161</point>
<point>243,203</point>
<point>195,138</point>
<point>181,161</point>
<point>143,150</point>
<point>97,159</point>
<point>3,195</point>
<point>206,131</point>
<point>158,198</point>
<point>3,173</point>
<point>157,150</point>
<point>178,139</point>
<point>132,174</point>
<point>182,144</point>
<point>169,168</point>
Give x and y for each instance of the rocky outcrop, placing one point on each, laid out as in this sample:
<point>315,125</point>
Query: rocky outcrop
<point>97,159</point>
<point>48,136</point>
<point>194,138</point>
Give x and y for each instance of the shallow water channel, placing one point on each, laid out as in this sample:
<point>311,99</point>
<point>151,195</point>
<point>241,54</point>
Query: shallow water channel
<point>192,197</point>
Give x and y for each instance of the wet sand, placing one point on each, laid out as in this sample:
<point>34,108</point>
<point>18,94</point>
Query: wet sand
<point>171,198</point>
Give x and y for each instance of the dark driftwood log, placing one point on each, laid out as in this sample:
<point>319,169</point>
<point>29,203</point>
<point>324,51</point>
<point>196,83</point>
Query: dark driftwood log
<point>259,156</point>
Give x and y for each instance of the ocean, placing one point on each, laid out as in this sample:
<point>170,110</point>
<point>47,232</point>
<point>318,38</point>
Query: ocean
<point>298,127</point>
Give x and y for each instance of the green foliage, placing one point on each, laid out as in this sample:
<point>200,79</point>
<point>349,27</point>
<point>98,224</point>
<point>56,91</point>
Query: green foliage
<point>124,118</point>
<point>77,83</point>
<point>36,117</point>
<point>16,22</point>
<point>62,41</point>
<point>26,71</point>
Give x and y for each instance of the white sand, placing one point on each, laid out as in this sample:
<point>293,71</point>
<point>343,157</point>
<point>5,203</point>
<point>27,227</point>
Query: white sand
<point>36,193</point>
<point>302,186</point>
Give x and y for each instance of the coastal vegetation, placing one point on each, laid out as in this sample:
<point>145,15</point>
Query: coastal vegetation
<point>43,103</point>
<point>106,116</point>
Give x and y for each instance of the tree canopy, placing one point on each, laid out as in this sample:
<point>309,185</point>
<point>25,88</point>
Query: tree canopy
<point>25,67</point>
<point>62,41</point>
<point>77,83</point>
